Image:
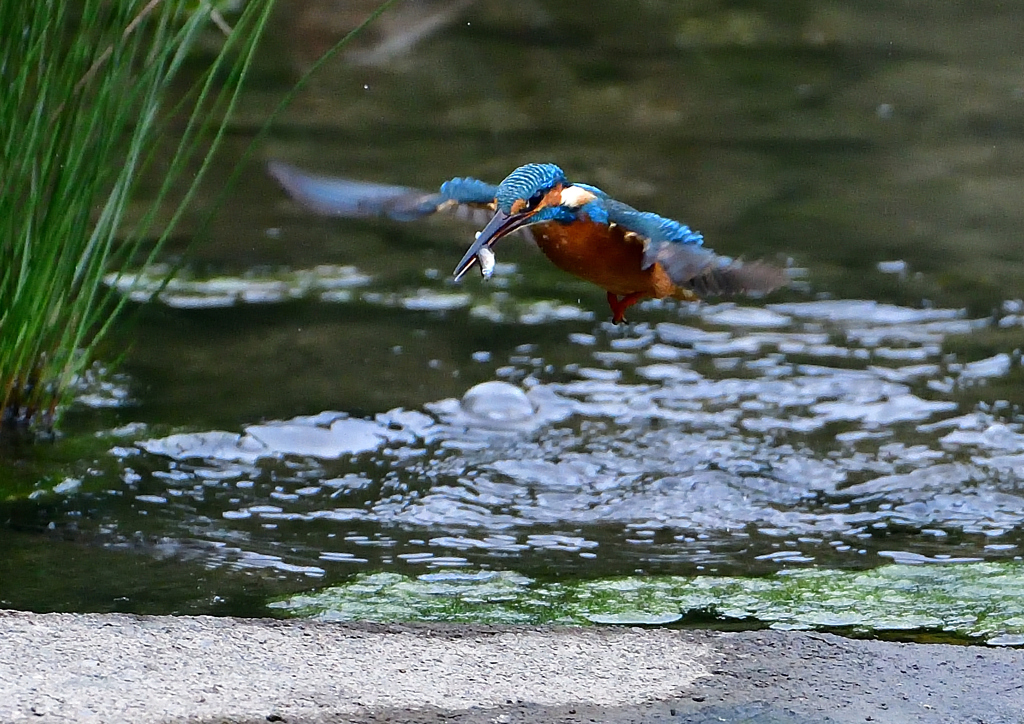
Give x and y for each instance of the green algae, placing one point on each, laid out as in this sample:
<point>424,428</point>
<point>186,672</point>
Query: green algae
<point>976,600</point>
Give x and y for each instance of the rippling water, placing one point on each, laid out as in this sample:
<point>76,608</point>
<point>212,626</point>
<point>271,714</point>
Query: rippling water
<point>734,439</point>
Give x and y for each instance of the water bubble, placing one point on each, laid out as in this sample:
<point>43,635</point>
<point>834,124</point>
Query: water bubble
<point>497,402</point>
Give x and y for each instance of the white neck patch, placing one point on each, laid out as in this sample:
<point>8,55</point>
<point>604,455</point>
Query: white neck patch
<point>575,197</point>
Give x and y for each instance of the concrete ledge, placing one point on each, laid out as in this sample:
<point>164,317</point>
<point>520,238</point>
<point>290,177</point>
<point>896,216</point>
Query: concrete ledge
<point>142,670</point>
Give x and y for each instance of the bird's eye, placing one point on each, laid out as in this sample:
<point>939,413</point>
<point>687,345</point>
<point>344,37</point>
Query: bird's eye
<point>536,199</point>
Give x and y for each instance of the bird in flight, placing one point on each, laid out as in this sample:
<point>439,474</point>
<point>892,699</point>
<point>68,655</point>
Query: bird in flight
<point>630,254</point>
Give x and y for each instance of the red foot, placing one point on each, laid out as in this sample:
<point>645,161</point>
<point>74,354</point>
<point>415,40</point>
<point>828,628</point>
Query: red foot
<point>619,306</point>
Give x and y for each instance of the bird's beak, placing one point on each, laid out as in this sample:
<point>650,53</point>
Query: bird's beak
<point>501,224</point>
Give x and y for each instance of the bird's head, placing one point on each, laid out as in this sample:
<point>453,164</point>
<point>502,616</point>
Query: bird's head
<point>532,194</point>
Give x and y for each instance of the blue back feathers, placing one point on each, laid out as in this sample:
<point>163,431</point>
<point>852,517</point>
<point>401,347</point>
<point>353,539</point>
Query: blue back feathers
<point>656,228</point>
<point>526,181</point>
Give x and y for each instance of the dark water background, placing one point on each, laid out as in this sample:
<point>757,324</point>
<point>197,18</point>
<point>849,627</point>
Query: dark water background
<point>294,411</point>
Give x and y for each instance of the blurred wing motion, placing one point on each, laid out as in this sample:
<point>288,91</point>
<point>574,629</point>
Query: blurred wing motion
<point>680,252</point>
<point>332,196</point>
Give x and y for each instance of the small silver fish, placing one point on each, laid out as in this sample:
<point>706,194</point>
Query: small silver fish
<point>486,258</point>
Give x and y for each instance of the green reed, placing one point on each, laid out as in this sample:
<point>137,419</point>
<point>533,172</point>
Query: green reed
<point>85,96</point>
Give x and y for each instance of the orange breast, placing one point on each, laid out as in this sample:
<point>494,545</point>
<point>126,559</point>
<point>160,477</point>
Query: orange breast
<point>602,255</point>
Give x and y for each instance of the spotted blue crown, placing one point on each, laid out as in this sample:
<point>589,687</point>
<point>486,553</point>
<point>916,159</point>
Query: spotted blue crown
<point>526,181</point>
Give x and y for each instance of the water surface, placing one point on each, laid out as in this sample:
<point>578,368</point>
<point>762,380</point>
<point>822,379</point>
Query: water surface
<point>303,405</point>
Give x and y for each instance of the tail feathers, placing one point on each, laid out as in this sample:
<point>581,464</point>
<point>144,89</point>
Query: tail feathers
<point>734,277</point>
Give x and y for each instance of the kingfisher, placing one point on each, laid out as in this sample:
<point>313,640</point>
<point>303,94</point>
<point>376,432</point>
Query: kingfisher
<point>630,254</point>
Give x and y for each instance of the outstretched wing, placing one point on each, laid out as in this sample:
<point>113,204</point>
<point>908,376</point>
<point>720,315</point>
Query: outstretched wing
<point>334,196</point>
<point>680,252</point>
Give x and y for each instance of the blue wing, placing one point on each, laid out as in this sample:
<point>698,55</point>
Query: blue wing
<point>680,252</point>
<point>469,191</point>
<point>333,196</point>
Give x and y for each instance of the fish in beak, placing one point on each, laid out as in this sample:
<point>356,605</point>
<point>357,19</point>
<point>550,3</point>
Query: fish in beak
<point>501,224</point>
